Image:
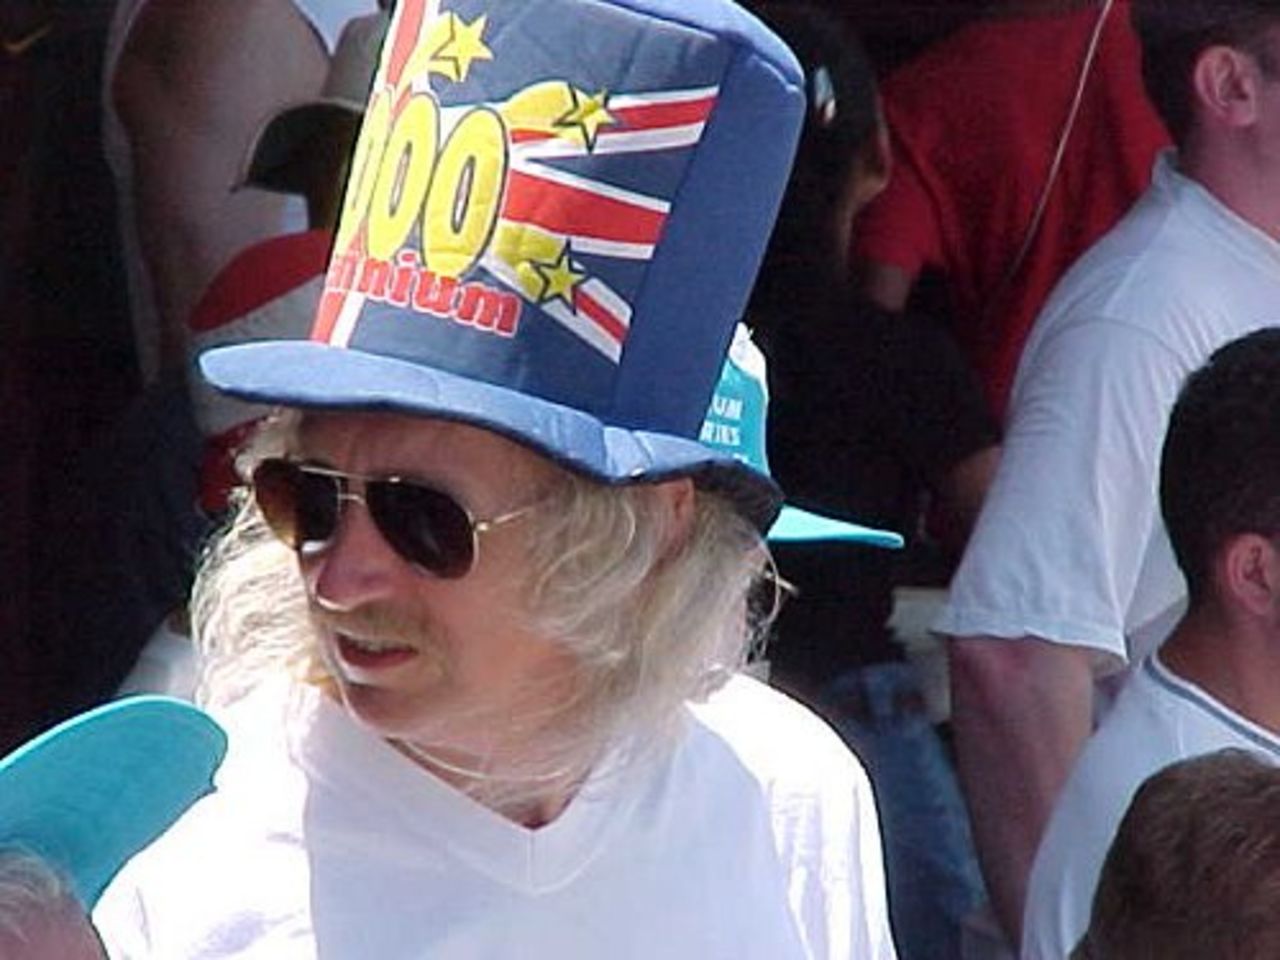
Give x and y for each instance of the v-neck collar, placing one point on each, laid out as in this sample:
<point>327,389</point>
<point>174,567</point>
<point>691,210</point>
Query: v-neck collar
<point>1200,699</point>
<point>333,748</point>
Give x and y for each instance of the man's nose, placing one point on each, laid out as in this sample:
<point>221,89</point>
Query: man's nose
<point>357,566</point>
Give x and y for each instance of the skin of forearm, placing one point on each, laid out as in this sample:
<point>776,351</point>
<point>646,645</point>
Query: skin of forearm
<point>1021,712</point>
<point>961,492</point>
<point>882,284</point>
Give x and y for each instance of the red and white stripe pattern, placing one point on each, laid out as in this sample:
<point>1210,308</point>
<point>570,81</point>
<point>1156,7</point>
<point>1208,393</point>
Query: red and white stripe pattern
<point>665,120</point>
<point>584,215</point>
<point>267,292</point>
<point>592,216</point>
<point>597,217</point>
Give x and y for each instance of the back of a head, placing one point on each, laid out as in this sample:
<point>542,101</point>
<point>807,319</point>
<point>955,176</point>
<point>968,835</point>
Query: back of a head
<point>840,84</point>
<point>841,117</point>
<point>1220,468</point>
<point>40,917</point>
<point>1174,33</point>
<point>1194,870</point>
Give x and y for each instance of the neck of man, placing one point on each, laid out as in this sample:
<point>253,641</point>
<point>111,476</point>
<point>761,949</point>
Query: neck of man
<point>1244,181</point>
<point>1234,659</point>
<point>511,790</point>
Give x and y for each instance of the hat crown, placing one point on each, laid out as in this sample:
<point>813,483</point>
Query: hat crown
<point>92,791</point>
<point>541,191</point>
<point>555,212</point>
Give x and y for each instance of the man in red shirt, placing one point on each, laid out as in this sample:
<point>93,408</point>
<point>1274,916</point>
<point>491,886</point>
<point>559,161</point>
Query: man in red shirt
<point>1017,142</point>
<point>976,123</point>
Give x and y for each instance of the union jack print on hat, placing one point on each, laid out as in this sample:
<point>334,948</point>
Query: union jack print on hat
<point>555,213</point>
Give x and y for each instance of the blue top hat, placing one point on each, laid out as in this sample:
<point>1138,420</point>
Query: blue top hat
<point>735,425</point>
<point>88,794</point>
<point>554,217</point>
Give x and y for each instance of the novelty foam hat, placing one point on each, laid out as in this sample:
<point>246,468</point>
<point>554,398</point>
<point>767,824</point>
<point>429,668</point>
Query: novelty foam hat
<point>88,794</point>
<point>555,213</point>
<point>735,424</point>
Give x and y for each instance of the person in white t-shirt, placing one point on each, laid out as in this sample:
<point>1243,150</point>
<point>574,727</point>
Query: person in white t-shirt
<point>1068,575</point>
<point>1216,681</point>
<point>477,634</point>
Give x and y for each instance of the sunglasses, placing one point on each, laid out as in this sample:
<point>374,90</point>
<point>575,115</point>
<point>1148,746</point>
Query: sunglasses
<point>302,504</point>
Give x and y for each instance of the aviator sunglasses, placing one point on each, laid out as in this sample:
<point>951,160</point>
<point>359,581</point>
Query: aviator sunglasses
<point>302,504</point>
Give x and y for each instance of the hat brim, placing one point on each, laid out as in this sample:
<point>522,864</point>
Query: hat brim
<point>88,794</point>
<point>800,526</point>
<point>287,148</point>
<point>318,376</point>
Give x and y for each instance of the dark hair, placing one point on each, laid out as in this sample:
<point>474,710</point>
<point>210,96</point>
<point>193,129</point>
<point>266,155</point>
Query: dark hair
<point>1220,469</point>
<point>1174,33</point>
<point>1194,869</point>
<point>842,116</point>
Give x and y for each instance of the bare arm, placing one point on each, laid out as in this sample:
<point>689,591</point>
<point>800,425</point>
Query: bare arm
<point>1021,711</point>
<point>195,81</point>
<point>888,286</point>
<point>961,492</point>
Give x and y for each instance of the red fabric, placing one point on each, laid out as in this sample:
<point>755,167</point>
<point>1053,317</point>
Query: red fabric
<point>256,276</point>
<point>975,122</point>
<point>259,274</point>
<point>218,475</point>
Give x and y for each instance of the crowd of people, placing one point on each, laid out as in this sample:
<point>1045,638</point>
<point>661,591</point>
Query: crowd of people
<point>460,329</point>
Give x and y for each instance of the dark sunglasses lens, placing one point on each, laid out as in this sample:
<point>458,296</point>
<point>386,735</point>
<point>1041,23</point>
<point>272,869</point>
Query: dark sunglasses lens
<point>426,527</point>
<point>301,508</point>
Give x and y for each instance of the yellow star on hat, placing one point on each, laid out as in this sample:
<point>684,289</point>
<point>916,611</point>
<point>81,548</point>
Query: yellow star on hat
<point>585,116</point>
<point>455,45</point>
<point>559,278</point>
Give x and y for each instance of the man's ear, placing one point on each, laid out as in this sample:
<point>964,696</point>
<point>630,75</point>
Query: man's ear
<point>867,177</point>
<point>678,499</point>
<point>1226,81</point>
<point>1249,573</point>
<point>872,164</point>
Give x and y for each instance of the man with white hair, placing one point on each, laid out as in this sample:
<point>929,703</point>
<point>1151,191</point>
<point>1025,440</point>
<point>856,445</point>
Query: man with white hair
<point>476,634</point>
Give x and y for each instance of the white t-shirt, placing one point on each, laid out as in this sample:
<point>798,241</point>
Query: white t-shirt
<point>326,18</point>
<point>755,838</point>
<point>1070,546</point>
<point>166,665</point>
<point>1158,719</point>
